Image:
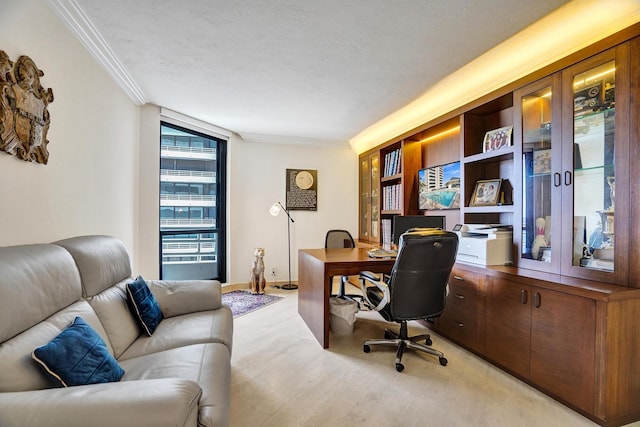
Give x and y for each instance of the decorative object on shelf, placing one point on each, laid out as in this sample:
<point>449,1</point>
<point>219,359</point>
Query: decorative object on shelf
<point>486,193</point>
<point>24,118</point>
<point>539,241</point>
<point>439,187</point>
<point>275,210</point>
<point>302,189</point>
<point>497,138</point>
<point>257,281</point>
<point>542,162</point>
<point>611,181</point>
<point>588,99</point>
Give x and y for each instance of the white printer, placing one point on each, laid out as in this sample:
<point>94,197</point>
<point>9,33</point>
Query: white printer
<point>485,244</point>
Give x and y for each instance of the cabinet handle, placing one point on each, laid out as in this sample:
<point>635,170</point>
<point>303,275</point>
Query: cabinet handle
<point>537,300</point>
<point>523,296</point>
<point>458,278</point>
<point>557,180</point>
<point>459,296</point>
<point>460,325</point>
<point>567,178</point>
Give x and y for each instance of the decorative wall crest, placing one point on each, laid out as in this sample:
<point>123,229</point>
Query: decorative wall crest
<point>24,118</point>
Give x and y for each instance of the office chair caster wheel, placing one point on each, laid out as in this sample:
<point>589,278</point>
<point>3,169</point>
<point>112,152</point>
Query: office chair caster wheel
<point>366,348</point>
<point>428,341</point>
<point>443,361</point>
<point>399,367</point>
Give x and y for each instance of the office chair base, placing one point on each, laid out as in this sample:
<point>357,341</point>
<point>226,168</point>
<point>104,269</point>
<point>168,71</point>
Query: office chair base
<point>402,341</point>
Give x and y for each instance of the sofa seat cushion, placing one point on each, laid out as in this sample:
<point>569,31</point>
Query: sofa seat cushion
<point>203,327</point>
<point>78,356</point>
<point>209,365</point>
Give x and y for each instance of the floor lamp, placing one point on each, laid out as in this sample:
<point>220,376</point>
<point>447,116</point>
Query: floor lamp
<point>275,210</point>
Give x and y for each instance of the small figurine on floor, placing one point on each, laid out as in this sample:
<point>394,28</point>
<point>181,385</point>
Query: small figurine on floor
<point>257,280</point>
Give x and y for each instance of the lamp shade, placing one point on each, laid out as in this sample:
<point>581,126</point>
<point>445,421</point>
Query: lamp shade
<point>275,209</point>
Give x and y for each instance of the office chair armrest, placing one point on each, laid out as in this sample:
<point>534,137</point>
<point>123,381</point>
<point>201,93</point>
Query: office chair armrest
<point>368,276</point>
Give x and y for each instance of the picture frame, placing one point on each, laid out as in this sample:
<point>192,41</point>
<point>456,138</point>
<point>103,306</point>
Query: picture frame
<point>486,193</point>
<point>497,139</point>
<point>542,161</point>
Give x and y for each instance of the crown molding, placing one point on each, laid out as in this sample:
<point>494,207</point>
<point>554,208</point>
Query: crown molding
<point>83,28</point>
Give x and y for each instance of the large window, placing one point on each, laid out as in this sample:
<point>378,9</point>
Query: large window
<point>192,204</point>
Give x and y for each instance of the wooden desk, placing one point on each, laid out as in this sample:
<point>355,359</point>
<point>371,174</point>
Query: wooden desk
<point>316,269</point>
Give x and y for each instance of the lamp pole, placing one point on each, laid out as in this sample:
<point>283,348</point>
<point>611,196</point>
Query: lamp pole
<point>287,286</point>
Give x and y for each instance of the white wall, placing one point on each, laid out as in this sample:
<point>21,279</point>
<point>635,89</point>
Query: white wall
<point>90,183</point>
<point>258,180</point>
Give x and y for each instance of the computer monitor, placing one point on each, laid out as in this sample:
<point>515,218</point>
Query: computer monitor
<point>402,223</point>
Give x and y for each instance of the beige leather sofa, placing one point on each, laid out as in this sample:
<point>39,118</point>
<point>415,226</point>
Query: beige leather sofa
<point>180,376</point>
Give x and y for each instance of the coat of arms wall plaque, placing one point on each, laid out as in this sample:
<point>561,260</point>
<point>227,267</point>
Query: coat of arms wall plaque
<point>24,118</point>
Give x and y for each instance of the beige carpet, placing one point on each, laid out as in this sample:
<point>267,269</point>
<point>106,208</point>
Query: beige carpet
<point>282,377</point>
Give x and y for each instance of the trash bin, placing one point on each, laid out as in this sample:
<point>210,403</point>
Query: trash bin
<point>342,315</point>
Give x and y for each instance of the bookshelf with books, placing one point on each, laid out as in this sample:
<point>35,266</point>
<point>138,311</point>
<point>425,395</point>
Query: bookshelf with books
<point>397,184</point>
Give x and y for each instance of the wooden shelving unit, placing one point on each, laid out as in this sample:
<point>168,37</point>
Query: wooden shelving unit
<point>563,324</point>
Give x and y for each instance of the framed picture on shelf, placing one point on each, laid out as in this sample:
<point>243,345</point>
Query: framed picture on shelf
<point>497,139</point>
<point>542,161</point>
<point>486,193</point>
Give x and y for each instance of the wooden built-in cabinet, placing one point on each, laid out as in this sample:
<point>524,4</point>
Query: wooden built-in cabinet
<point>463,319</point>
<point>565,315</point>
<point>388,187</point>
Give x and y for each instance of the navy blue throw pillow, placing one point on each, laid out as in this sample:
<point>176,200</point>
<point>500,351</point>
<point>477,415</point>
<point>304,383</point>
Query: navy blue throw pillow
<point>78,356</point>
<point>144,305</point>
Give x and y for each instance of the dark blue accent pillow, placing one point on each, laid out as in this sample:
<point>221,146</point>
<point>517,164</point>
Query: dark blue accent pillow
<point>144,305</point>
<point>78,356</point>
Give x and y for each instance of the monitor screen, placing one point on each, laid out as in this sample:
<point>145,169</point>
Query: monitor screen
<point>403,223</point>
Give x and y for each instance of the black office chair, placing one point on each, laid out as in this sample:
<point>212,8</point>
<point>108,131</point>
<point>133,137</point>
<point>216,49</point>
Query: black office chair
<point>415,289</point>
<point>342,239</point>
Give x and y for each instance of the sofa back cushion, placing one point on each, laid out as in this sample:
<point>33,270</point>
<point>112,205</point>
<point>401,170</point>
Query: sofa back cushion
<point>35,282</point>
<point>116,317</point>
<point>103,261</point>
<point>18,371</point>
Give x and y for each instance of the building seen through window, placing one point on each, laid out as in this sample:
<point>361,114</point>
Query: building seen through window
<point>191,204</point>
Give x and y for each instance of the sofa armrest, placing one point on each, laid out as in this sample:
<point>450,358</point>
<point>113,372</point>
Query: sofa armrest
<point>178,297</point>
<point>153,403</point>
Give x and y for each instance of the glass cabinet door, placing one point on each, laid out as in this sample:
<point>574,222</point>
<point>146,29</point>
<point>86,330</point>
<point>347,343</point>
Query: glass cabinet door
<point>538,236</point>
<point>369,198</point>
<point>594,171</point>
<point>596,151</point>
<point>375,197</point>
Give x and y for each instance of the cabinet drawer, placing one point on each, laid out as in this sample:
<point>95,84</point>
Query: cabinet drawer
<point>462,320</point>
<point>468,280</point>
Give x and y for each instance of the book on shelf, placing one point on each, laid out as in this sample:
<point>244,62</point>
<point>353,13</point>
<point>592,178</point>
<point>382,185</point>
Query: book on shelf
<point>392,161</point>
<point>386,233</point>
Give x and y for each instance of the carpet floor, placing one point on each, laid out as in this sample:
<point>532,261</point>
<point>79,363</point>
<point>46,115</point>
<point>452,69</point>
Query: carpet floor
<point>243,302</point>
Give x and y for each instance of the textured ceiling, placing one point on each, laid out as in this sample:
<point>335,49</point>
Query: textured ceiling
<point>293,70</point>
